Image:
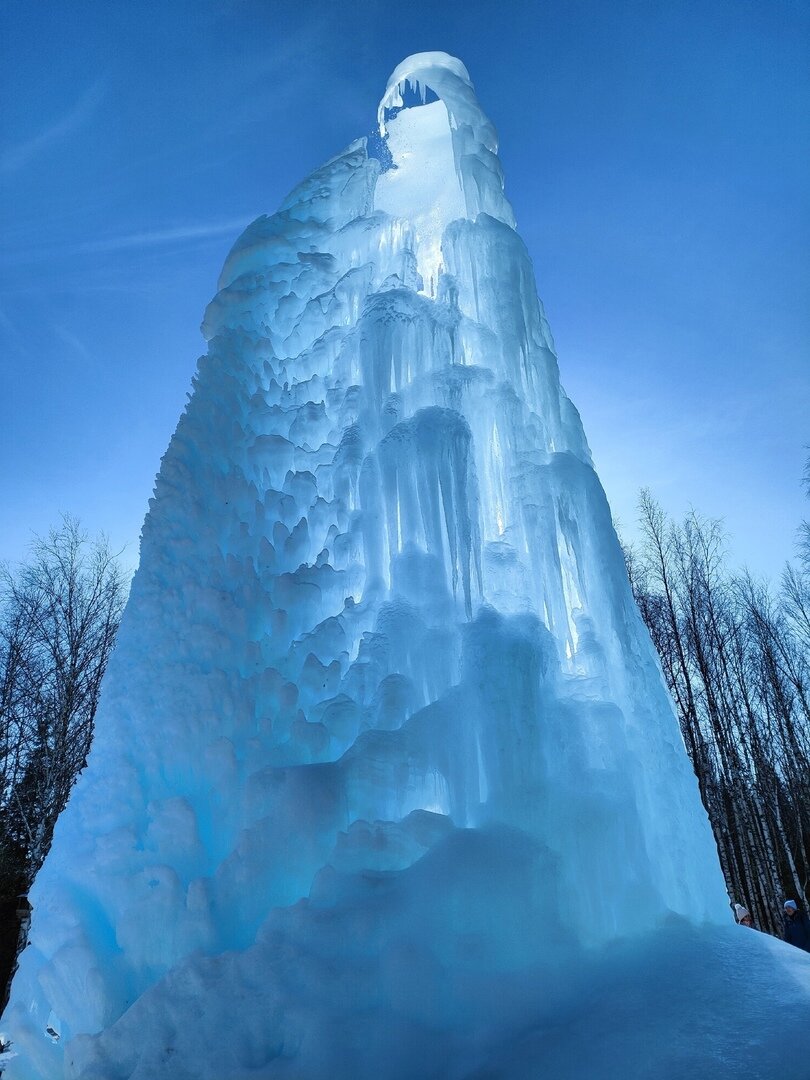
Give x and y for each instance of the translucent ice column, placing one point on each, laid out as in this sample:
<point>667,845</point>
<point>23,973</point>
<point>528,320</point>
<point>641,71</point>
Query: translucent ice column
<point>382,702</point>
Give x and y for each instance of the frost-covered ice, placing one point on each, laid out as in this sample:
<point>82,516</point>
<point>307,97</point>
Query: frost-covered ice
<point>386,784</point>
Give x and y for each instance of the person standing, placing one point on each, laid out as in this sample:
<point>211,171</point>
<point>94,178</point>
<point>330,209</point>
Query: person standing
<point>797,926</point>
<point>743,915</point>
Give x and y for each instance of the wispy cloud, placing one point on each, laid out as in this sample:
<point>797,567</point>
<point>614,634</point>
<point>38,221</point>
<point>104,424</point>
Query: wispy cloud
<point>68,338</point>
<point>171,239</point>
<point>179,234</point>
<point>13,158</point>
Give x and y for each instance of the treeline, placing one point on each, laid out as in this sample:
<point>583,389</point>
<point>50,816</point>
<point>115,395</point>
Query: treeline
<point>736,658</point>
<point>59,615</point>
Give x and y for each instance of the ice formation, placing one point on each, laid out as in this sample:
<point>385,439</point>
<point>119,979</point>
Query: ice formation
<point>386,783</point>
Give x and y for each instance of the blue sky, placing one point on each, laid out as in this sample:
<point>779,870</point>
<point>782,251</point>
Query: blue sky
<point>656,154</point>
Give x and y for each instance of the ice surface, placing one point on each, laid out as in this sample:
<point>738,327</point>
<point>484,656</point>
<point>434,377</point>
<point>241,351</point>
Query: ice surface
<point>386,783</point>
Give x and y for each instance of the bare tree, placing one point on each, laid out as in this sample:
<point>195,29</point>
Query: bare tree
<point>804,528</point>
<point>59,615</point>
<point>737,662</point>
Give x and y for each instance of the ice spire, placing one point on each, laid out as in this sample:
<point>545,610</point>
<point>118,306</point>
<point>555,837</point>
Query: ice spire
<point>384,731</point>
<point>472,136</point>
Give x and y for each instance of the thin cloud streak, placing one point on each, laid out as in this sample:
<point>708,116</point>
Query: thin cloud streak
<point>178,235</point>
<point>14,158</point>
<point>68,338</point>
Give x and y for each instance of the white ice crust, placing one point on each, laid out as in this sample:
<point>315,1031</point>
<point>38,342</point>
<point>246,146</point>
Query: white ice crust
<point>386,783</point>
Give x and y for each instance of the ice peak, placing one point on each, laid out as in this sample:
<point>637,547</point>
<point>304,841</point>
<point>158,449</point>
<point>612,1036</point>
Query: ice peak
<point>449,80</point>
<point>448,143</point>
<point>426,68</point>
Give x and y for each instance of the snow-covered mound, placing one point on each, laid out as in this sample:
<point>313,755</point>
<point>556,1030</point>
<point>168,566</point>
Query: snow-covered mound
<point>386,783</point>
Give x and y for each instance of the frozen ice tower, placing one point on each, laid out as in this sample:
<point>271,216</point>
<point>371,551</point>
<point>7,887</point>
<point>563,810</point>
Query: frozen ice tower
<point>386,784</point>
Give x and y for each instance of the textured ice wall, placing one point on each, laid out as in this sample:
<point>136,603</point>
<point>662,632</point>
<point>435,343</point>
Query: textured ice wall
<point>382,703</point>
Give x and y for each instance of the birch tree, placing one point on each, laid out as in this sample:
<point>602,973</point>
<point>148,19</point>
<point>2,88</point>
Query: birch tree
<point>736,659</point>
